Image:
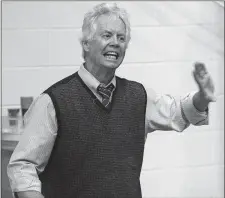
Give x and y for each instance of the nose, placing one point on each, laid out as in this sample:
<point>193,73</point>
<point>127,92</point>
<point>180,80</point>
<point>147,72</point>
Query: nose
<point>114,41</point>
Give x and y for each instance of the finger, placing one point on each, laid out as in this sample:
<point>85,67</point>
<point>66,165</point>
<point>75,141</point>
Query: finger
<point>197,79</point>
<point>195,75</point>
<point>200,70</point>
<point>200,66</point>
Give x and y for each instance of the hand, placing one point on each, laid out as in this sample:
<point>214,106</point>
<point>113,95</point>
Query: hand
<point>204,81</point>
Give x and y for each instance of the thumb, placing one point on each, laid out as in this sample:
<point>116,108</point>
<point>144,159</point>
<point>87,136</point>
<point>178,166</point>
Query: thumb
<point>213,99</point>
<point>196,79</point>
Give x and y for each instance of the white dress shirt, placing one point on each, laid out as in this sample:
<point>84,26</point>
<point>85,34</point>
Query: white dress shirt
<point>34,149</point>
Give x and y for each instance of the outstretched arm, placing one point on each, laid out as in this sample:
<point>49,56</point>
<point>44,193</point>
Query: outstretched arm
<point>167,113</point>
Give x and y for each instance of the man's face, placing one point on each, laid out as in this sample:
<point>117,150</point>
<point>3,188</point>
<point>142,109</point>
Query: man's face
<point>108,46</point>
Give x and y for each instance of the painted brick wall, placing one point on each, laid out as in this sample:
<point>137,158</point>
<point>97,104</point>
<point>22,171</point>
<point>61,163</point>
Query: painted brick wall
<point>40,45</point>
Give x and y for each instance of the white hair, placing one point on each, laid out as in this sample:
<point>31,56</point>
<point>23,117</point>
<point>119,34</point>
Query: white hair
<point>90,17</point>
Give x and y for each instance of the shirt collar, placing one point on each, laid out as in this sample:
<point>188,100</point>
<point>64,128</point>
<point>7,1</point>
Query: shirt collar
<point>90,80</point>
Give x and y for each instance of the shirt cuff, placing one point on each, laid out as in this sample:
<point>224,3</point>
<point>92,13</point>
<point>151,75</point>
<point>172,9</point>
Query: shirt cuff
<point>33,188</point>
<point>193,115</point>
<point>23,184</point>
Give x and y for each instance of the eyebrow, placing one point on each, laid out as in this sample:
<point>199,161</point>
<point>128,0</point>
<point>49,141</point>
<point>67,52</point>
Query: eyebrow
<point>121,34</point>
<point>109,32</point>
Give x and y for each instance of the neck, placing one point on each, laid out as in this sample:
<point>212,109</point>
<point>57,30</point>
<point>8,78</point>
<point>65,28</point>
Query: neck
<point>102,74</point>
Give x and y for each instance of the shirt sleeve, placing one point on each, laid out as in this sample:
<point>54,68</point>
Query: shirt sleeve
<point>193,115</point>
<point>34,148</point>
<point>165,112</point>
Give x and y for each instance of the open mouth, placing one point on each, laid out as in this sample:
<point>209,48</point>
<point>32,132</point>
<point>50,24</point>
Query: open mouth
<point>111,55</point>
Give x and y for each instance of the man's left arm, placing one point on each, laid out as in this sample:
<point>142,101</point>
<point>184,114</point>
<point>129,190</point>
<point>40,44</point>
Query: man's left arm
<point>203,97</point>
<point>166,113</point>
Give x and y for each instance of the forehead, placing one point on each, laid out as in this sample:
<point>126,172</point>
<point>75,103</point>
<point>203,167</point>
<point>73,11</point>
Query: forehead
<point>110,22</point>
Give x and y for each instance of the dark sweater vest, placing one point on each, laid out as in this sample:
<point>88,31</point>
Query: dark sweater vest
<point>97,153</point>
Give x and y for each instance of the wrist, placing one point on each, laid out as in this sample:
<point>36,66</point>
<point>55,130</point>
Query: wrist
<point>201,101</point>
<point>203,97</point>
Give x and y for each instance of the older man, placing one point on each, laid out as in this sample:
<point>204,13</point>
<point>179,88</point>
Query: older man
<point>84,136</point>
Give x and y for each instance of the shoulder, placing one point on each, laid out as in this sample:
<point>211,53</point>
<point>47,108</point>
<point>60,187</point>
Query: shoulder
<point>136,89</point>
<point>131,83</point>
<point>41,105</point>
<point>61,83</point>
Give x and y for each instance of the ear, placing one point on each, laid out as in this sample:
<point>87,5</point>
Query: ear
<point>85,46</point>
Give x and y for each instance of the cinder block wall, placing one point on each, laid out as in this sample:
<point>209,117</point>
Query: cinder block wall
<point>40,45</point>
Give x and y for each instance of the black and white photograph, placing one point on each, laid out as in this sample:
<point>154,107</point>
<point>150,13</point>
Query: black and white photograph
<point>112,99</point>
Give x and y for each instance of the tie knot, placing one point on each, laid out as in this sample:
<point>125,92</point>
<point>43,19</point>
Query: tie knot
<point>103,88</point>
<point>106,93</point>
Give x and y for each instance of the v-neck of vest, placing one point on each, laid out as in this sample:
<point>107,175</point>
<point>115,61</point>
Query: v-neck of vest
<point>95,99</point>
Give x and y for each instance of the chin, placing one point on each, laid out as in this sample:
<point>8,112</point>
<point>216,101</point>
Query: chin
<point>112,65</point>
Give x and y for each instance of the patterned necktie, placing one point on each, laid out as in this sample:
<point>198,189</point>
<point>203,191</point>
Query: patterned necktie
<point>106,93</point>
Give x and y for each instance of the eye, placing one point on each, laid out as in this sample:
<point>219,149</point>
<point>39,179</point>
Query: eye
<point>106,36</point>
<point>122,39</point>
